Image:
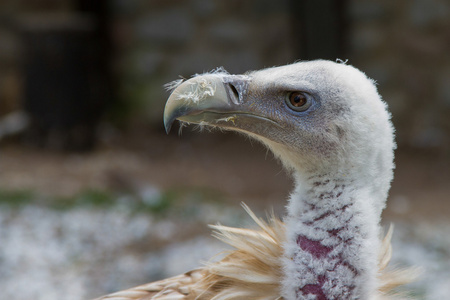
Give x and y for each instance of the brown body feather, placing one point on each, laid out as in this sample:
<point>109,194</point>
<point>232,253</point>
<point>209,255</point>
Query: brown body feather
<point>252,271</point>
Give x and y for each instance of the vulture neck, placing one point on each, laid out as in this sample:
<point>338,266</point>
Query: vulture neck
<point>332,239</point>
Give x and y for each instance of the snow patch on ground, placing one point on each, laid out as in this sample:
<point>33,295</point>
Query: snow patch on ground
<point>426,246</point>
<point>81,253</point>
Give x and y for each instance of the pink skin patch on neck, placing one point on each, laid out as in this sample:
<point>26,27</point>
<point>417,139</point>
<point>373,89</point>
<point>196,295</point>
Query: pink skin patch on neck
<point>315,289</point>
<point>314,247</point>
<point>318,251</point>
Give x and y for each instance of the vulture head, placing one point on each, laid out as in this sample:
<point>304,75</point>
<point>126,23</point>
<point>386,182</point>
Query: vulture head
<point>327,124</point>
<point>318,117</point>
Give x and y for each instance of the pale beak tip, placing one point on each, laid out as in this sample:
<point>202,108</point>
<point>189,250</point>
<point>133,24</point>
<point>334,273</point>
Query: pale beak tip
<point>168,122</point>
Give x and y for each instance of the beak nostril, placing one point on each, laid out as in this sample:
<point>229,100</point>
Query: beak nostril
<point>236,87</point>
<point>234,90</point>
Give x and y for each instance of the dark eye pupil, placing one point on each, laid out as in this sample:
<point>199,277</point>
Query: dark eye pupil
<point>297,99</point>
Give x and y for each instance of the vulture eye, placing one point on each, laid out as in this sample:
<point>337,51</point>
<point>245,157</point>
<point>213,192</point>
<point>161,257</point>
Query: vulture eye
<point>298,101</point>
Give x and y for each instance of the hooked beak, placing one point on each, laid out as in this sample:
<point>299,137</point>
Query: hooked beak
<point>206,99</point>
<point>193,97</point>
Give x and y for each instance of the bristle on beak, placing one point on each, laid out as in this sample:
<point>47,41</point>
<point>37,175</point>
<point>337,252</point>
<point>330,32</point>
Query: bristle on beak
<point>194,96</point>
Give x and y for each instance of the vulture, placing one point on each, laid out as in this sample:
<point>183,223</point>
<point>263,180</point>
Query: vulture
<point>329,127</point>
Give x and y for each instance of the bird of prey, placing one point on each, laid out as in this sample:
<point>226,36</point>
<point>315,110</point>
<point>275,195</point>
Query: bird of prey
<point>327,124</point>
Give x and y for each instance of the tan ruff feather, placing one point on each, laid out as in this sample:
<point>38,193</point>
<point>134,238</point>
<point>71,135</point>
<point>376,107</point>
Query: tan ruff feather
<point>252,271</point>
<point>390,279</point>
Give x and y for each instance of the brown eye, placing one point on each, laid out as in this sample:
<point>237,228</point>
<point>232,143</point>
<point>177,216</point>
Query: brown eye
<point>298,101</point>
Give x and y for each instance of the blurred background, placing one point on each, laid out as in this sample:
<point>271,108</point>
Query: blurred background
<point>95,197</point>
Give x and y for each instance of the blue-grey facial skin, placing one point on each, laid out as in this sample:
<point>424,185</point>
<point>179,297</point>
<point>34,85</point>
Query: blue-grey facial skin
<point>277,121</point>
<point>258,108</point>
